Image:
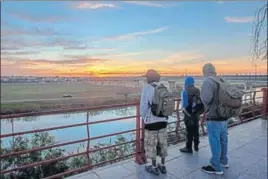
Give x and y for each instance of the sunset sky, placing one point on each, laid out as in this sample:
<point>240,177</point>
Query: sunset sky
<point>116,38</point>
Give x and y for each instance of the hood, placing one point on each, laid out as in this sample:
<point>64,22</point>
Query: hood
<point>209,70</point>
<point>189,81</point>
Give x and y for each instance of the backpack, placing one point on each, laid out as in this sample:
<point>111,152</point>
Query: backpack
<point>163,103</point>
<point>196,105</point>
<point>229,98</point>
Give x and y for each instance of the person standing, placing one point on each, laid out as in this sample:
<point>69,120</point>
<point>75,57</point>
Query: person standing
<point>155,106</point>
<point>216,124</point>
<point>222,101</point>
<point>190,103</point>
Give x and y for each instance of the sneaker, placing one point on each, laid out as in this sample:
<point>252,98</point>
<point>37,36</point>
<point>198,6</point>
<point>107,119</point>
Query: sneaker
<point>186,150</point>
<point>152,170</point>
<point>196,149</point>
<point>209,169</point>
<point>225,166</point>
<point>162,168</point>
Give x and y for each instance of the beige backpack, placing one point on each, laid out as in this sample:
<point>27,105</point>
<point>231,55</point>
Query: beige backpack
<point>229,98</point>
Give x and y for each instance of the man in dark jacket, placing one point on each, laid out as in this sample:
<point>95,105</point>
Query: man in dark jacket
<point>189,97</point>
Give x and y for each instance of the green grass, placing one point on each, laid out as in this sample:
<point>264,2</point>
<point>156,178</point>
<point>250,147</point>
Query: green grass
<point>50,91</point>
<point>15,108</point>
<point>38,92</point>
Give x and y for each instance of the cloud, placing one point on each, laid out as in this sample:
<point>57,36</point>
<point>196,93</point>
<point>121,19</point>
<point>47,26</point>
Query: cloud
<point>146,3</point>
<point>35,18</point>
<point>91,5</point>
<point>80,61</point>
<point>85,47</point>
<point>24,52</point>
<point>8,31</point>
<point>18,44</point>
<point>136,34</point>
<point>220,2</point>
<point>177,58</point>
<point>239,19</point>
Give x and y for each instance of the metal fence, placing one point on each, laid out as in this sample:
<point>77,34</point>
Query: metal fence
<point>260,110</point>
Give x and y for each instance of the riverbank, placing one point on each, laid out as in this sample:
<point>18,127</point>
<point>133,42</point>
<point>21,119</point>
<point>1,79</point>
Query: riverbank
<point>38,106</point>
<point>24,98</point>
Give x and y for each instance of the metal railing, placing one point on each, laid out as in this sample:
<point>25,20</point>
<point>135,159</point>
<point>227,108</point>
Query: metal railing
<point>260,110</point>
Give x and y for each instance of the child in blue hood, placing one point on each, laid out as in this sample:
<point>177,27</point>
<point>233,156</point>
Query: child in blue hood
<point>189,97</point>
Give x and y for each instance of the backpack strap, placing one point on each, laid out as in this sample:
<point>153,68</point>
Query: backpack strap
<point>217,98</point>
<point>218,89</point>
<point>153,85</point>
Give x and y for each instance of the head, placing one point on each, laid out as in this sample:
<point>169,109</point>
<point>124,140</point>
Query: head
<point>209,70</point>
<point>152,76</point>
<point>189,81</point>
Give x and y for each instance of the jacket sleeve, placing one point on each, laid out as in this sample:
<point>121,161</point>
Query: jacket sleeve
<point>184,99</point>
<point>144,103</point>
<point>207,92</point>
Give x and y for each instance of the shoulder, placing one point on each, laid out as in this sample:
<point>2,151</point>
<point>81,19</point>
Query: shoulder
<point>147,88</point>
<point>183,92</point>
<point>208,82</point>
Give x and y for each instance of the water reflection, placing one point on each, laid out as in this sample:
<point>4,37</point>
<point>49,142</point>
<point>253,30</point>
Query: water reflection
<point>75,133</point>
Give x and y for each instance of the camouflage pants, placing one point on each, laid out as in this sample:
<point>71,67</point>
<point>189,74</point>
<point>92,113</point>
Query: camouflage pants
<point>155,143</point>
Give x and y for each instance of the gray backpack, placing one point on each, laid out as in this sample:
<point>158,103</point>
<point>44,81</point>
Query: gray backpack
<point>229,98</point>
<point>163,104</point>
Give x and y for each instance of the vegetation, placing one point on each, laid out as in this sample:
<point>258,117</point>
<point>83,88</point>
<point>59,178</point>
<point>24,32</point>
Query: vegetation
<point>21,98</point>
<point>44,139</point>
<point>34,92</point>
<point>260,34</point>
<point>43,106</point>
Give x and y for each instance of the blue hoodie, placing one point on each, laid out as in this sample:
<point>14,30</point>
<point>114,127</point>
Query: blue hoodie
<point>189,81</point>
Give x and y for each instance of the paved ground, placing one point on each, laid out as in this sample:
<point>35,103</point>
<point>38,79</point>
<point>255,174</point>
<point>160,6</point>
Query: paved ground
<point>247,156</point>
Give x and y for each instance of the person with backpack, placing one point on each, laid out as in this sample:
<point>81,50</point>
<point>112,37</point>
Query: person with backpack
<point>156,105</point>
<point>192,107</point>
<point>222,101</point>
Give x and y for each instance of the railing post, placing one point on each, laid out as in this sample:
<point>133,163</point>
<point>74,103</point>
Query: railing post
<point>143,158</point>
<point>264,103</point>
<point>88,141</point>
<point>178,120</point>
<point>203,123</point>
<point>138,136</point>
<point>254,98</point>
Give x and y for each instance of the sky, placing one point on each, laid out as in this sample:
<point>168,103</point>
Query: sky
<point>125,38</point>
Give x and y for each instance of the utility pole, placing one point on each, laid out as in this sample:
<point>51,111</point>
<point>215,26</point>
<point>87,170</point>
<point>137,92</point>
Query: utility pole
<point>255,70</point>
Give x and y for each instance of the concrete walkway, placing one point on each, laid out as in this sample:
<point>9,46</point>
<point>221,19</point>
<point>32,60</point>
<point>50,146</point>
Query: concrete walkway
<point>247,156</point>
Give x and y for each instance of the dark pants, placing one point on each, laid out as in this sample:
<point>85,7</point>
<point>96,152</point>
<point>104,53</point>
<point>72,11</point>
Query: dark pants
<point>192,136</point>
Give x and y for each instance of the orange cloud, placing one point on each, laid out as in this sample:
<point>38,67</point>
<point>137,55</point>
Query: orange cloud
<point>173,64</point>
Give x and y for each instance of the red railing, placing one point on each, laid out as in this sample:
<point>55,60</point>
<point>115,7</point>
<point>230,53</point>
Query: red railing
<point>138,130</point>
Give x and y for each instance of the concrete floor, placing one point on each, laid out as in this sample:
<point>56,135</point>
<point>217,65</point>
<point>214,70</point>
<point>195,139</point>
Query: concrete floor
<point>247,159</point>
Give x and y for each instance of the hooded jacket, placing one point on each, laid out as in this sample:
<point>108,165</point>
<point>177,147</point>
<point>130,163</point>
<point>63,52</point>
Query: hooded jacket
<point>189,90</point>
<point>209,93</point>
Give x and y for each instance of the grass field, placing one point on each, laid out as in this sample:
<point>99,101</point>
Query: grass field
<point>52,91</point>
<point>17,98</point>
